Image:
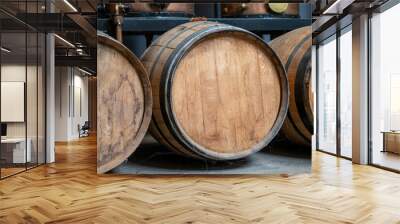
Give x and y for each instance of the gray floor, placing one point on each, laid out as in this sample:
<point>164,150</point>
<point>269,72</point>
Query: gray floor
<point>153,158</point>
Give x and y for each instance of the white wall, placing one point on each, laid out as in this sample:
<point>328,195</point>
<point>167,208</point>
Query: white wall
<point>70,83</point>
<point>16,73</point>
<point>79,117</point>
<point>62,81</point>
<point>33,126</point>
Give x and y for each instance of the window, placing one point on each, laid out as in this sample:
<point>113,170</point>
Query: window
<point>327,96</point>
<point>385,89</point>
<point>346,75</point>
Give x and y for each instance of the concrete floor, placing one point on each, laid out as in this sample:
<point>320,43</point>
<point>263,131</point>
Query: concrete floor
<point>153,158</point>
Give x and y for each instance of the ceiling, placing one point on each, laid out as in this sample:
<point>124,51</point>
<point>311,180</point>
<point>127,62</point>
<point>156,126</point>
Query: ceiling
<point>72,20</point>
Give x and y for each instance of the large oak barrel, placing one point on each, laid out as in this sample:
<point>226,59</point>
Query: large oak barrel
<point>259,9</point>
<point>219,91</point>
<point>294,50</point>
<point>124,103</point>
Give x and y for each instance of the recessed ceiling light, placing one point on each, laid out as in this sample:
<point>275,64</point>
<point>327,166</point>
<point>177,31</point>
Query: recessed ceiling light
<point>5,50</point>
<point>70,5</point>
<point>337,7</point>
<point>84,71</point>
<point>65,41</point>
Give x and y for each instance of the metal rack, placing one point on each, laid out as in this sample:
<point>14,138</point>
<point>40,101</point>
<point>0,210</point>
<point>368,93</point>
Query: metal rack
<point>160,24</point>
<point>140,29</point>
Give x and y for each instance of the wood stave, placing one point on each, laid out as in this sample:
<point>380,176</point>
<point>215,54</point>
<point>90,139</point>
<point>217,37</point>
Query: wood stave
<point>146,117</point>
<point>209,154</point>
<point>158,130</point>
<point>171,132</point>
<point>166,134</point>
<point>298,126</point>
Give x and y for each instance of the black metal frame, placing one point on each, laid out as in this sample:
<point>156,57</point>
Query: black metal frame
<point>338,98</point>
<point>36,164</point>
<point>339,32</point>
<point>324,36</point>
<point>381,9</point>
<point>165,21</point>
<point>369,78</point>
<point>318,95</point>
<point>141,25</point>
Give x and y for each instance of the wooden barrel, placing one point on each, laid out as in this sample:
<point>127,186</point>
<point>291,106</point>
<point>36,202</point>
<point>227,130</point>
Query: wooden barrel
<point>238,9</point>
<point>219,91</point>
<point>124,103</point>
<point>284,8</point>
<point>259,9</point>
<point>186,8</point>
<point>294,50</point>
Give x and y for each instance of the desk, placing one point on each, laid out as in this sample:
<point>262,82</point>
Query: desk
<point>13,150</point>
<point>391,141</point>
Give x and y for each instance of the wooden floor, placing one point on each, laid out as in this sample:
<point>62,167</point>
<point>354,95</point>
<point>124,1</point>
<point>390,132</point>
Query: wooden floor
<point>70,191</point>
<point>5,172</point>
<point>387,159</point>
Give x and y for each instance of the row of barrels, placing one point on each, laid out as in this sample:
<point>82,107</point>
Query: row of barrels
<point>205,90</point>
<point>227,9</point>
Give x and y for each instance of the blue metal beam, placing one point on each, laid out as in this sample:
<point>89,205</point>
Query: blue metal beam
<point>162,24</point>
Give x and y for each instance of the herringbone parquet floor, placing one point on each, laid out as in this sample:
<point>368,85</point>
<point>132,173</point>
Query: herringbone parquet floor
<point>70,191</point>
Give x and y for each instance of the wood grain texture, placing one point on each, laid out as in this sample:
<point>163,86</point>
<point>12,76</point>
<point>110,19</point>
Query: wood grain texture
<point>392,142</point>
<point>294,50</point>
<point>124,103</point>
<point>219,92</point>
<point>70,191</point>
<point>226,105</point>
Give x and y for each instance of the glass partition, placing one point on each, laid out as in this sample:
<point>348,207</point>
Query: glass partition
<point>22,67</point>
<point>346,93</point>
<point>41,97</point>
<point>385,89</point>
<point>327,96</point>
<point>14,152</point>
<point>31,100</point>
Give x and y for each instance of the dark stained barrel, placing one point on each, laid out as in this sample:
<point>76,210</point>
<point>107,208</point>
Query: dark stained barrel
<point>219,92</point>
<point>291,9</point>
<point>259,9</point>
<point>183,8</point>
<point>294,50</point>
<point>124,103</point>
